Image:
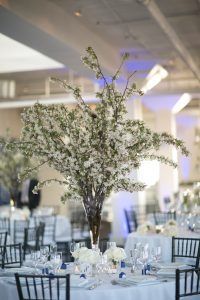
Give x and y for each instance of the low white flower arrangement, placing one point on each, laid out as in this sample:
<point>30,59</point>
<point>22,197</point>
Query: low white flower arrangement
<point>85,255</point>
<point>170,228</point>
<point>115,254</point>
<point>145,228</point>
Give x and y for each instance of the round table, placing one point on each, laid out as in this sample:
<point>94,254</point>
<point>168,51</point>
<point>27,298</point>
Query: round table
<point>155,240</point>
<point>161,291</point>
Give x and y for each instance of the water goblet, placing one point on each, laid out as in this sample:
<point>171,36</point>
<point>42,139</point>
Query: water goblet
<point>111,245</point>
<point>35,258</point>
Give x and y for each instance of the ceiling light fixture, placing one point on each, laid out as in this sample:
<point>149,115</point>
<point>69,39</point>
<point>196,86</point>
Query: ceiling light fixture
<point>78,13</point>
<point>154,77</point>
<point>181,103</point>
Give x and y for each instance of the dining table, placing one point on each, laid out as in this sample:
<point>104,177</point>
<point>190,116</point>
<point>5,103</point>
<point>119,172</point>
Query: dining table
<point>154,240</point>
<point>158,289</point>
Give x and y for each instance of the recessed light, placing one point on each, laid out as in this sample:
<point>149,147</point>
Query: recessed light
<point>78,13</point>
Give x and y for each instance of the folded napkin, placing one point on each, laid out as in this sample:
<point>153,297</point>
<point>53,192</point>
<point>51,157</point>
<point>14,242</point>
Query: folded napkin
<point>173,265</point>
<point>168,273</point>
<point>81,283</point>
<point>137,280</point>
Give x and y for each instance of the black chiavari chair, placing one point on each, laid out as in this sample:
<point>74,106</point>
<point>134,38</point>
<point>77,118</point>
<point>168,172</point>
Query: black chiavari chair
<point>131,220</point>
<point>33,239</point>
<point>19,226</point>
<point>50,227</point>
<point>186,248</point>
<point>5,224</point>
<point>190,285</point>
<point>43,287</point>
<point>3,238</point>
<point>160,218</point>
<point>11,256</point>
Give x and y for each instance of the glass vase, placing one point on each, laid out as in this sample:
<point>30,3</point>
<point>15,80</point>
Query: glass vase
<point>93,208</point>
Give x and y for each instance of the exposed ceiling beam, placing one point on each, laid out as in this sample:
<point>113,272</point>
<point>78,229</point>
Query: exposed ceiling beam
<point>158,16</point>
<point>45,27</point>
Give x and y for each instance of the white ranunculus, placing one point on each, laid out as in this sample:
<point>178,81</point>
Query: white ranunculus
<point>147,227</point>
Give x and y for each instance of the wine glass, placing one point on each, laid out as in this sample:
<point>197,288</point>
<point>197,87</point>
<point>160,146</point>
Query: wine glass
<point>82,244</point>
<point>156,253</point>
<point>143,257</point>
<point>56,261</point>
<point>44,254</point>
<point>111,245</point>
<point>53,248</point>
<point>74,246</point>
<point>35,258</point>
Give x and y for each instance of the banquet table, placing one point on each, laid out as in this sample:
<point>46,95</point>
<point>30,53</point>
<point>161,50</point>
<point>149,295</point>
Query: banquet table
<point>106,291</point>
<point>63,225</point>
<point>156,240</point>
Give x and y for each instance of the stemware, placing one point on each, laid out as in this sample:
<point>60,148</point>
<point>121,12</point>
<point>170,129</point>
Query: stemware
<point>56,261</point>
<point>44,254</point>
<point>53,248</point>
<point>74,246</point>
<point>35,258</point>
<point>156,253</point>
<point>111,245</point>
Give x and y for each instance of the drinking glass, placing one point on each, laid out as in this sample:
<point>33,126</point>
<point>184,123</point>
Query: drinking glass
<point>74,246</point>
<point>157,254</point>
<point>44,254</point>
<point>35,258</point>
<point>53,248</point>
<point>111,245</point>
<point>56,261</point>
<point>82,244</point>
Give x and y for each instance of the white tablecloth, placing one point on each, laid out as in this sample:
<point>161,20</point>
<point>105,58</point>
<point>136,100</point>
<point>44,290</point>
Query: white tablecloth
<point>155,240</point>
<point>161,291</point>
<point>63,226</point>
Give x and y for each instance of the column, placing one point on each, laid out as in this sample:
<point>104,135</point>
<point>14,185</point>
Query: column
<point>168,182</point>
<point>125,200</point>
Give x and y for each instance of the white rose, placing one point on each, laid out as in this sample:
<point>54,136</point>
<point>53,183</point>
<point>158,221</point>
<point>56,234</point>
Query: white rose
<point>79,252</point>
<point>118,254</point>
<point>89,256</point>
<point>147,227</point>
<point>115,253</point>
<point>170,230</point>
<point>171,223</point>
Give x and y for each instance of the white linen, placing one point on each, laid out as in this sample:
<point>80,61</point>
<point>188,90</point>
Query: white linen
<point>155,240</point>
<point>161,291</point>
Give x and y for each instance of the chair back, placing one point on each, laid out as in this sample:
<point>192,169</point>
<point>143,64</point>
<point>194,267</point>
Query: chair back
<point>190,283</point>
<point>43,287</point>
<point>33,238</point>
<point>3,238</point>
<point>187,248</point>
<point>160,218</point>
<point>131,220</point>
<point>19,226</point>
<point>50,227</point>
<point>5,224</point>
<point>11,256</point>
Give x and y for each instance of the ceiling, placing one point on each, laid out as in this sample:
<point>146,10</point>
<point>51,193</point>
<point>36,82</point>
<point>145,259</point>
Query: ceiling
<point>112,27</point>
<point>22,58</point>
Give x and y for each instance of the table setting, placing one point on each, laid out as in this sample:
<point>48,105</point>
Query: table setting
<point>158,236</point>
<point>109,275</point>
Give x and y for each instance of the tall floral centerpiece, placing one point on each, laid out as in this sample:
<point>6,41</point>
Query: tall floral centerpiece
<point>94,149</point>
